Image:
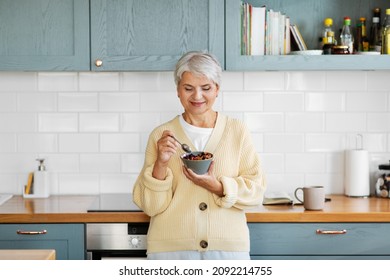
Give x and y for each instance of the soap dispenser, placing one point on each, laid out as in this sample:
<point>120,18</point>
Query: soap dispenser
<point>40,185</point>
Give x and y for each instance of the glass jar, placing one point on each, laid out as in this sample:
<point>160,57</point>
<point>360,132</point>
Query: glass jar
<point>382,185</point>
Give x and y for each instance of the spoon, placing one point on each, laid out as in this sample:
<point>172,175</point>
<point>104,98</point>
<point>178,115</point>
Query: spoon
<point>185,147</point>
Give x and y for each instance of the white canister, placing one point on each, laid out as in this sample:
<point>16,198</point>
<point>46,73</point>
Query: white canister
<point>357,173</point>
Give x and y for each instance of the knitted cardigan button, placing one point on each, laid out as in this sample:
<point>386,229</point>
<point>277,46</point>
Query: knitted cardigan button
<point>203,244</point>
<point>202,206</point>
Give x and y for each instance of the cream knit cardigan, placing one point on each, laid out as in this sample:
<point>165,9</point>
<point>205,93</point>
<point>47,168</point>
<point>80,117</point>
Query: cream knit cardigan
<point>177,220</point>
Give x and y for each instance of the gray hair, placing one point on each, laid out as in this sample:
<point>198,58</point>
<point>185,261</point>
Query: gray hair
<point>199,63</point>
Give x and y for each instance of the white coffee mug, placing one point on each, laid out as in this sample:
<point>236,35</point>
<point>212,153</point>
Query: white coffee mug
<point>313,197</point>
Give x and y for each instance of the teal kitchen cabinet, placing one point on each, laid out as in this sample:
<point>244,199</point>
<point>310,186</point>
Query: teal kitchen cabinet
<point>281,241</point>
<point>153,34</point>
<point>44,35</point>
<point>310,24</point>
<point>68,240</point>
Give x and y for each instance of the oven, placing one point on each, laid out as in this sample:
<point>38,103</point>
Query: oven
<point>115,240</point>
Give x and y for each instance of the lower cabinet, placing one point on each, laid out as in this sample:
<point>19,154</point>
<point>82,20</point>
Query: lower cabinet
<point>68,240</point>
<point>281,241</point>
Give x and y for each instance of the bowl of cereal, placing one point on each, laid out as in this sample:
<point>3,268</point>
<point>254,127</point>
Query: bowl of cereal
<point>199,162</point>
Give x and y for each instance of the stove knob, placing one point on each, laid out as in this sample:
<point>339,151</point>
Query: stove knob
<point>134,241</point>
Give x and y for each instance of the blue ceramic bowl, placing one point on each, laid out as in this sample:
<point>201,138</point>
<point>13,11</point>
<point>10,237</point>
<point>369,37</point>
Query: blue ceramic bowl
<point>199,166</point>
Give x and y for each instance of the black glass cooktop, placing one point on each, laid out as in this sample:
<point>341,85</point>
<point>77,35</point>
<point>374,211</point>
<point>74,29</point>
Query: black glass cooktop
<point>116,202</point>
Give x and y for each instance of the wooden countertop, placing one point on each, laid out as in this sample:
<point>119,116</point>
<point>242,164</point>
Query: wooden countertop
<point>29,254</point>
<point>73,209</point>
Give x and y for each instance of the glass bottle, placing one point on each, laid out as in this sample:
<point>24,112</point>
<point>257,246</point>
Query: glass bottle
<point>346,37</point>
<point>364,43</point>
<point>375,32</point>
<point>328,39</point>
<point>386,34</point>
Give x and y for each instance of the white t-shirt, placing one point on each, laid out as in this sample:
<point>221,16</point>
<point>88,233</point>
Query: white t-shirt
<point>198,135</point>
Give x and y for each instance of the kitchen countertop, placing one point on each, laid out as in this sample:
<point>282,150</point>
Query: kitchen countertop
<point>73,209</point>
<point>28,254</point>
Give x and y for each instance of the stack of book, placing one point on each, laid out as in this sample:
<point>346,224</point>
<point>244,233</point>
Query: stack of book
<point>268,32</point>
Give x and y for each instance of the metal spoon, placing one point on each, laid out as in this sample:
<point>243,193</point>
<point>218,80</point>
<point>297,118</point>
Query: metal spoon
<point>185,147</point>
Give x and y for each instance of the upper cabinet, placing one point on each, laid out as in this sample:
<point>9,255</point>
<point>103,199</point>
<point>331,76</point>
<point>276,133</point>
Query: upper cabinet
<point>153,34</point>
<point>44,35</point>
<point>309,16</point>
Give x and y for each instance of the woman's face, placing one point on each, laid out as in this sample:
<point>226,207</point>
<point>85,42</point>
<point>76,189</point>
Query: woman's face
<point>197,93</point>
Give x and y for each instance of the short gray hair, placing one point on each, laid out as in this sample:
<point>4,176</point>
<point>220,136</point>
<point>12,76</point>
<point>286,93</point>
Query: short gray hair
<point>199,63</point>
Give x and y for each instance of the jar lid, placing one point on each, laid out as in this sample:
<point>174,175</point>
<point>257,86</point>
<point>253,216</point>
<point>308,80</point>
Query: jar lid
<point>328,21</point>
<point>338,47</point>
<point>384,166</point>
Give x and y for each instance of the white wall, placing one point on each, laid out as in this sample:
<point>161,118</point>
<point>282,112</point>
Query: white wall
<point>92,127</point>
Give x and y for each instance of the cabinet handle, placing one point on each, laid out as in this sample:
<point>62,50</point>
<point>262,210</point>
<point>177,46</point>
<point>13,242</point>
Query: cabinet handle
<point>31,232</point>
<point>98,62</point>
<point>324,231</point>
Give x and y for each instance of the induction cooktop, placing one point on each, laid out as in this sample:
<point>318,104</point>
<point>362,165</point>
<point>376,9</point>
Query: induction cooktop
<point>114,202</point>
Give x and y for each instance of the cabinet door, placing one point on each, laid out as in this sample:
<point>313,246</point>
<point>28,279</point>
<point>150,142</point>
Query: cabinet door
<point>44,35</point>
<point>66,239</point>
<point>310,24</point>
<point>333,241</point>
<point>153,34</point>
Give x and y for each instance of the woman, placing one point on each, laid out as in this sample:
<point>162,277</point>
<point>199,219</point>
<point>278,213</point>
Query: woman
<point>199,216</point>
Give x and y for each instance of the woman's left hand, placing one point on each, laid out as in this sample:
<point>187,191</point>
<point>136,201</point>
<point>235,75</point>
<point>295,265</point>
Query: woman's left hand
<point>207,180</point>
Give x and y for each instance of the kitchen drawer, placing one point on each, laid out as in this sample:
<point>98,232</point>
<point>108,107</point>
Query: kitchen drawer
<point>68,240</point>
<point>301,239</point>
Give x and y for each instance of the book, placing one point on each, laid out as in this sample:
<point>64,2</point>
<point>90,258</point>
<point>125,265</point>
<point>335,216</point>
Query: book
<point>297,41</point>
<point>258,30</point>
<point>279,198</point>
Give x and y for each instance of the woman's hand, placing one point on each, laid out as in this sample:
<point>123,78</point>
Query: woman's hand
<point>166,148</point>
<point>207,181</point>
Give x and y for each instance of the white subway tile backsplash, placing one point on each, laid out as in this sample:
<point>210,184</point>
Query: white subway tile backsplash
<point>78,184</point>
<point>325,101</point>
<point>90,81</point>
<point>8,143</point>
<point>39,143</point>
<point>120,142</point>
<point>132,163</point>
<point>160,102</point>
<point>304,122</point>
<point>79,143</point>
<point>18,81</point>
<point>58,122</point>
<point>325,142</point>
<point>283,143</point>
<point>305,81</point>
<point>8,102</point>
<point>100,163</point>
<point>378,81</point>
<point>148,81</point>
<point>18,122</point>
<point>116,183</point>
<point>264,81</point>
<point>140,122</point>
<point>78,102</point>
<point>99,122</point>
<point>92,128</point>
<point>37,102</point>
<point>283,102</point>
<point>119,102</point>
<point>346,81</point>
<point>232,81</point>
<point>239,101</point>
<point>345,122</point>
<point>264,122</point>
<point>366,101</point>
<point>57,81</point>
<point>305,162</point>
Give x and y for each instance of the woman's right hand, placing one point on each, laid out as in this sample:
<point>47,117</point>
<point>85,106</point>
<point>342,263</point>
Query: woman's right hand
<point>166,148</point>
